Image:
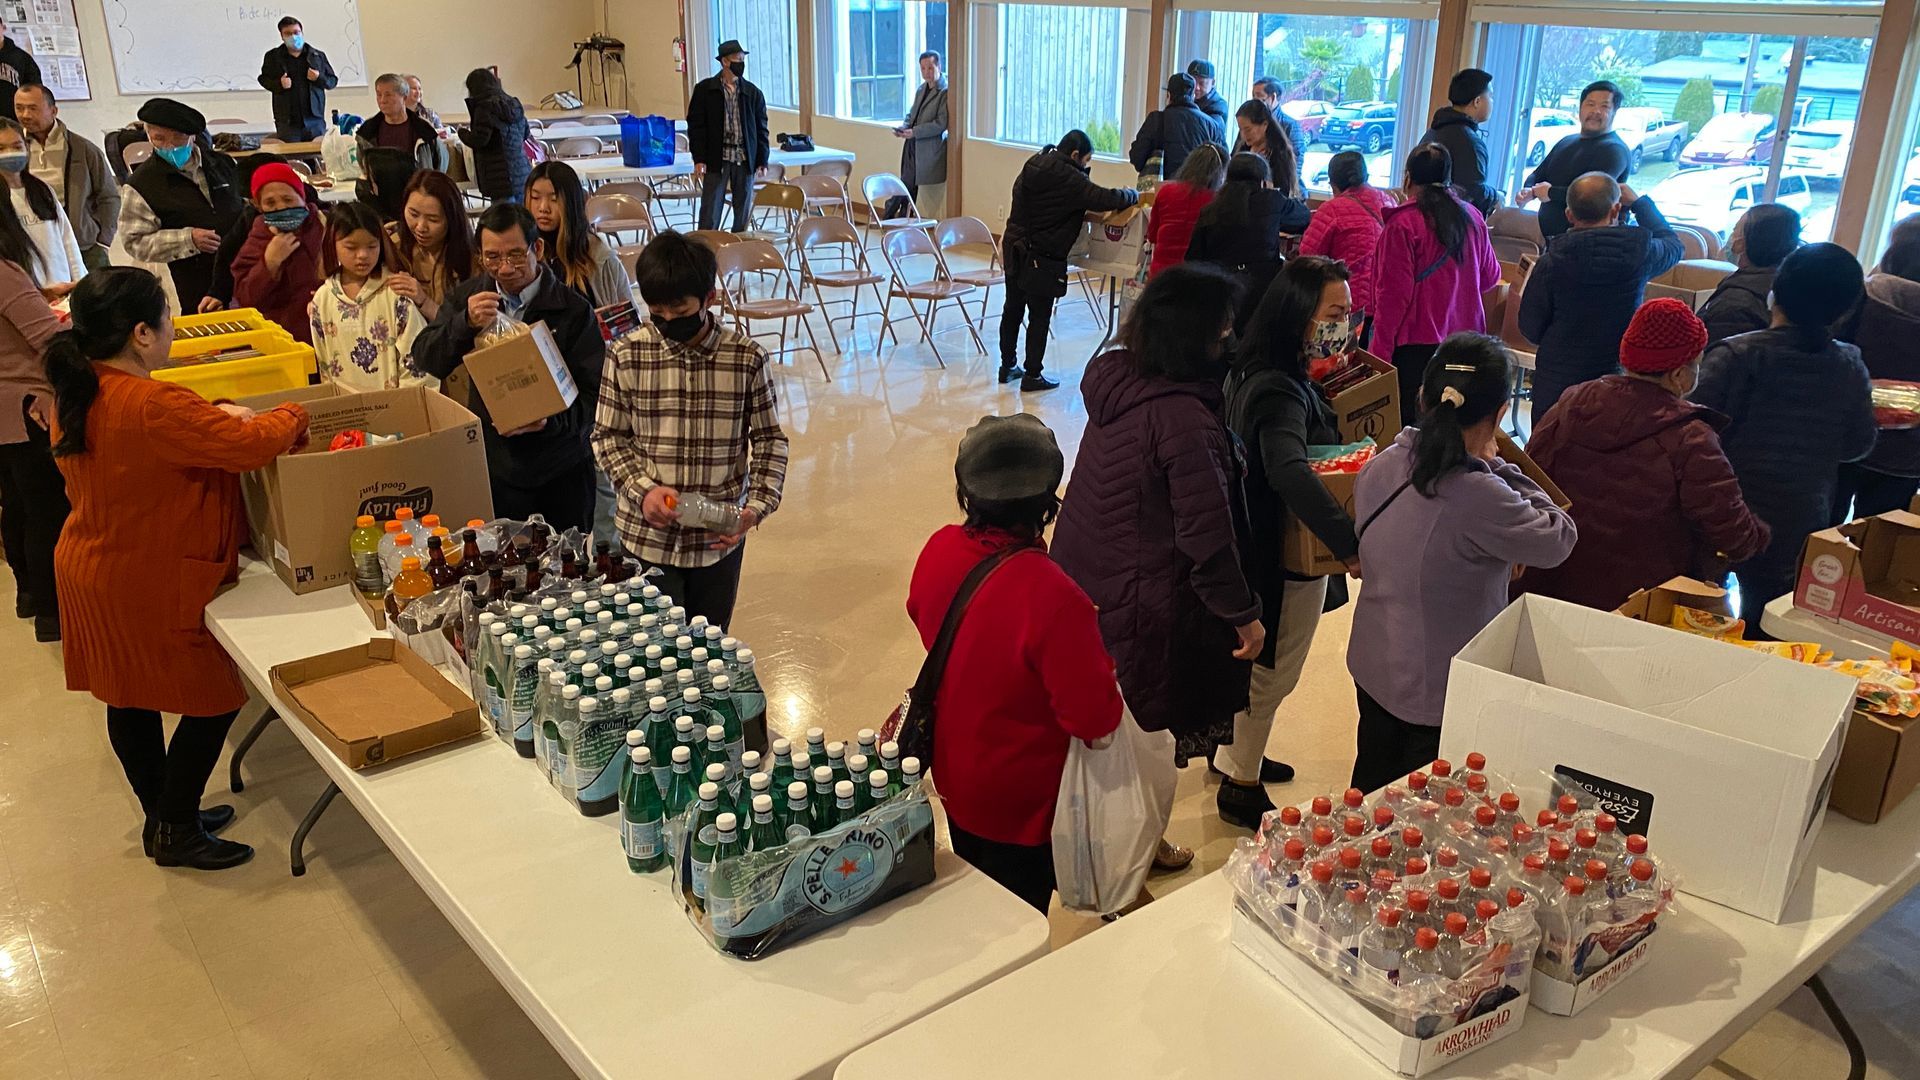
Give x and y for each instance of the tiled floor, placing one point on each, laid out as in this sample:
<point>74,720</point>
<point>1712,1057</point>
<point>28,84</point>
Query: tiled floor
<point>110,967</point>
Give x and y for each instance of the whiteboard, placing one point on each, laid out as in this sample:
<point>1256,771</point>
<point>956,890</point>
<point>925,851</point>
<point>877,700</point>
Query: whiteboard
<point>200,46</point>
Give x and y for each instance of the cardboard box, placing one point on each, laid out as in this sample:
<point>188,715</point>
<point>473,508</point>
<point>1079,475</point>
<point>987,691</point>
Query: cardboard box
<point>1510,451</point>
<point>1866,572</point>
<point>436,646</point>
<point>375,702</point>
<point>1550,995</point>
<point>1879,766</point>
<point>522,379</point>
<point>1405,1054</point>
<point>1691,281</point>
<point>1656,605</point>
<point>1720,755</point>
<point>1370,409</point>
<point>300,509</point>
<point>1114,239</point>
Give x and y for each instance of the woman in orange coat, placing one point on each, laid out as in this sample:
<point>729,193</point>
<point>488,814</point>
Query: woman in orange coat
<point>152,472</point>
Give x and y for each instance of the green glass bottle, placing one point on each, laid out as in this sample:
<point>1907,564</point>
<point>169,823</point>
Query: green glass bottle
<point>565,725</point>
<point>823,818</point>
<point>681,792</point>
<point>782,764</point>
<point>797,823</point>
<point>857,769</point>
<point>909,772</point>
<point>546,720</point>
<point>716,775</point>
<point>659,731</point>
<point>693,703</point>
<point>652,661</point>
<point>802,767</point>
<point>890,759</point>
<point>623,669</point>
<point>683,652</point>
<point>642,814</point>
<point>837,760</point>
<point>867,742</point>
<point>717,755</point>
<point>876,789</point>
<point>757,784</point>
<point>683,735</point>
<point>765,834</point>
<point>730,842</point>
<point>846,805</point>
<point>704,831</point>
<point>720,700</point>
<point>697,663</point>
<point>620,702</point>
<point>523,683</point>
<point>817,745</point>
<point>747,692</point>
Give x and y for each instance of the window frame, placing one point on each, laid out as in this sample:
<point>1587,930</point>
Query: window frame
<point>986,76</point>
<point>703,38</point>
<point>833,63</point>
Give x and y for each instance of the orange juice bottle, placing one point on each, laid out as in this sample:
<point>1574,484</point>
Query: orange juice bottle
<point>410,584</point>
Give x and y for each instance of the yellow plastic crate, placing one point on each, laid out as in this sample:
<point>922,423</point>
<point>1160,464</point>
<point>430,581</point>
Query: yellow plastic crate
<point>215,323</point>
<point>283,363</point>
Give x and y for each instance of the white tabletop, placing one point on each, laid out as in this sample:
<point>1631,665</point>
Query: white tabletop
<point>1163,993</point>
<point>1848,642</point>
<point>611,167</point>
<point>603,960</point>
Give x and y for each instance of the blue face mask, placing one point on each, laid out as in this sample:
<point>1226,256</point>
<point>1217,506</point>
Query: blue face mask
<point>297,42</point>
<point>14,162</point>
<point>288,220</point>
<point>176,156</point>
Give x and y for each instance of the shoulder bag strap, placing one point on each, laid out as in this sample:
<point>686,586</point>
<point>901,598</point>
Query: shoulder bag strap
<point>1431,270</point>
<point>1357,201</point>
<point>1361,530</point>
<point>935,668</point>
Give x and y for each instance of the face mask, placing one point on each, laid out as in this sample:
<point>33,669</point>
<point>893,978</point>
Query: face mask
<point>288,220</point>
<point>739,68</point>
<point>682,328</point>
<point>13,163</point>
<point>176,156</point>
<point>1330,339</point>
<point>297,42</point>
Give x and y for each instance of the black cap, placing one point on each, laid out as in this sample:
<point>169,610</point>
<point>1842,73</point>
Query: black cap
<point>1009,457</point>
<point>168,113</point>
<point>1200,69</point>
<point>1180,84</point>
<point>728,48</point>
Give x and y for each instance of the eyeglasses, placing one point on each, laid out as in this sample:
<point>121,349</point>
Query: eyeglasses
<point>511,258</point>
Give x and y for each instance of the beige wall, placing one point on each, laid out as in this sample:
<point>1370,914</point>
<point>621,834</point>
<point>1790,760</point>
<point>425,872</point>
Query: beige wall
<point>439,40</point>
<point>649,27</point>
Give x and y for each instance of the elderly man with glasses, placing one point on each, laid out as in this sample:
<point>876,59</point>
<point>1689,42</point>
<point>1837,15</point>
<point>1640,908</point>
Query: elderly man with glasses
<point>545,467</point>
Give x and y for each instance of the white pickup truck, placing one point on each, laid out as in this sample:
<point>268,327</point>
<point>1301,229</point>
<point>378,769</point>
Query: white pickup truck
<point>1645,131</point>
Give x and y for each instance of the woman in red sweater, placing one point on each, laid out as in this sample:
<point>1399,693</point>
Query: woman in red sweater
<point>278,268</point>
<point>1028,671</point>
<point>1177,205</point>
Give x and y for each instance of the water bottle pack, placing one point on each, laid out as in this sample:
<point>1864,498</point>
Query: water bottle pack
<point>1433,900</point>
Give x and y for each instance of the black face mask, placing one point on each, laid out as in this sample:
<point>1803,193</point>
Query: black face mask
<point>738,67</point>
<point>681,328</point>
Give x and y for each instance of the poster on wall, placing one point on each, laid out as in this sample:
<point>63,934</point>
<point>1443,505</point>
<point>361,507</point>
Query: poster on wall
<point>50,31</point>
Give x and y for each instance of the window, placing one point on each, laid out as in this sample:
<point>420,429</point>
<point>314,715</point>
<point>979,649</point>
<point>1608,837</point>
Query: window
<point>1347,80</point>
<point>765,29</point>
<point>870,54</point>
<point>1702,116</point>
<point>1043,70</point>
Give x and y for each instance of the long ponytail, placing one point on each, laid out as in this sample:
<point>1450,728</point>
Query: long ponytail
<point>108,305</point>
<point>1465,383</point>
<point>1430,181</point>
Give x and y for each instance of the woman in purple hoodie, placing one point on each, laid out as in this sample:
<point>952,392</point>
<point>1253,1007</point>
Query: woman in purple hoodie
<point>1444,524</point>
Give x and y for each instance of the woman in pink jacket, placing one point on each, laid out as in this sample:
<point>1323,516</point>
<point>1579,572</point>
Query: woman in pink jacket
<point>1347,226</point>
<point>1433,262</point>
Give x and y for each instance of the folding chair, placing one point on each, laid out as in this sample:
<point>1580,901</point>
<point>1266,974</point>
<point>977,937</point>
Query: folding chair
<point>134,154</point>
<point>616,212</point>
<point>972,232</point>
<point>839,168</point>
<point>580,146</point>
<point>776,173</point>
<point>629,256</point>
<point>713,238</point>
<point>836,240</point>
<point>301,168</point>
<point>824,193</point>
<point>758,257</point>
<point>599,118</point>
<point>777,208</point>
<point>902,245</point>
<point>881,188</point>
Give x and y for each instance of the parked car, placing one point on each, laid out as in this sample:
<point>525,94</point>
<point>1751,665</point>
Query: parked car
<point>1910,192</point>
<point>1311,116</point>
<point>1820,148</point>
<point>1646,132</point>
<point>1365,124</point>
<point>1545,129</point>
<point>1714,199</point>
<point>1732,138</point>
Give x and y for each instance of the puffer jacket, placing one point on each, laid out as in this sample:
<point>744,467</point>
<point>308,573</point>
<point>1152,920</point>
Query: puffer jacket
<point>1583,293</point>
<point>1051,198</point>
<point>497,131</point>
<point>1175,131</point>
<point>1653,494</point>
<point>1739,303</point>
<point>1152,528</point>
<point>282,297</point>
<point>1467,145</point>
<point>1798,404</point>
<point>1347,227</point>
<point>1176,208</point>
<point>1886,327</point>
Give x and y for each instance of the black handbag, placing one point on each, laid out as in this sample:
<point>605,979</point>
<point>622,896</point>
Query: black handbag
<point>796,143</point>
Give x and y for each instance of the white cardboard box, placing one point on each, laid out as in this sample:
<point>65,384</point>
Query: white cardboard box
<point>1403,1053</point>
<point>1567,999</point>
<point>1720,755</point>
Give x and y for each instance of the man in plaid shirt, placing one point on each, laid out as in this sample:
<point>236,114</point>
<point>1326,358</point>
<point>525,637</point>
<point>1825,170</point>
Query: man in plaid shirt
<point>687,406</point>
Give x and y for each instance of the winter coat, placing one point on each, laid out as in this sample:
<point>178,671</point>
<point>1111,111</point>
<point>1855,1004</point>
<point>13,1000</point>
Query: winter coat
<point>1152,528</point>
<point>1583,293</point>
<point>366,343</point>
<point>1051,198</point>
<point>1176,209</point>
<point>1176,131</point>
<point>282,297</point>
<point>707,122</point>
<point>301,109</point>
<point>1653,493</point>
<point>923,155</point>
<point>1467,145</point>
<point>1410,309</point>
<point>1798,404</point>
<point>1739,303</point>
<point>1347,227</point>
<point>1251,250</point>
<point>496,130</point>
<point>1216,109</point>
<point>1438,569</point>
<point>1886,327</point>
<point>1277,416</point>
<point>428,151</point>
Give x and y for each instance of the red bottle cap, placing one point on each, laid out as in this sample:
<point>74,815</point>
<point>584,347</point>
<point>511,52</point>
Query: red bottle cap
<point>1456,797</point>
<point>1546,819</point>
<point>1637,845</point>
<point>1456,924</point>
<point>1534,863</point>
<point>1418,899</point>
<point>1448,888</point>
<point>1605,822</point>
<point>1393,793</point>
<point>1417,781</point>
<point>1416,866</point>
<point>1558,850</point>
<point>1322,871</point>
<point>1576,886</point>
<point>1569,806</point>
<point>1410,837</point>
<point>1515,898</point>
<point>1499,845</point>
<point>1441,767</point>
<point>1354,798</point>
<point>1382,847</point>
<point>1522,833</point>
<point>1322,836</point>
<point>1484,816</point>
<point>1586,838</point>
<point>1476,761</point>
<point>1388,915</point>
<point>1353,825</point>
<point>1294,849</point>
<point>1480,877</point>
<point>1322,805</point>
<point>1349,858</point>
<point>1509,802</point>
<point>1382,817</point>
<point>1289,815</point>
<point>1357,895</point>
<point>1642,870</point>
<point>1596,870</point>
<point>1486,909</point>
<point>1383,881</point>
<point>1448,858</point>
<point>1425,939</point>
<point>1477,783</point>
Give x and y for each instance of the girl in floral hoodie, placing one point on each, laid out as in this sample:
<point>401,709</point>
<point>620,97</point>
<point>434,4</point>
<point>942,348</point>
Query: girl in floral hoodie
<point>363,331</point>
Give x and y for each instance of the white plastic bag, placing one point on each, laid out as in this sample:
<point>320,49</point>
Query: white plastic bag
<point>1115,801</point>
<point>341,153</point>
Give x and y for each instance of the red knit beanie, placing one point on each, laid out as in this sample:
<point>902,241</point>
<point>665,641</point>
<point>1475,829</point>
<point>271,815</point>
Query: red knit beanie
<point>1664,334</point>
<point>275,172</point>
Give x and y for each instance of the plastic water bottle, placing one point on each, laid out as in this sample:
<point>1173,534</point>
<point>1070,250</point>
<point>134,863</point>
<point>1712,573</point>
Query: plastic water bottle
<point>404,515</point>
<point>1384,944</point>
<point>561,732</point>
<point>697,511</point>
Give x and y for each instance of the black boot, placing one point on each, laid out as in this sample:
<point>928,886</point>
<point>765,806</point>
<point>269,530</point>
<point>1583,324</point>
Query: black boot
<point>23,604</point>
<point>191,846</point>
<point>1033,384</point>
<point>212,819</point>
<point>1242,804</point>
<point>46,628</point>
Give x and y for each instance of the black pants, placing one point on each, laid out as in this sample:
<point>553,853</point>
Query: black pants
<point>34,496</point>
<point>1757,590</point>
<point>738,181</point>
<point>1026,872</point>
<point>1870,491</point>
<point>706,590</point>
<point>1039,314</point>
<point>167,778</point>
<point>1388,747</point>
<point>1411,361</point>
<point>566,501</point>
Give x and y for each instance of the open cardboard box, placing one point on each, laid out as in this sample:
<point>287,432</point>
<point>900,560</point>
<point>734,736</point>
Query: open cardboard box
<point>522,379</point>
<point>375,702</point>
<point>1691,281</point>
<point>1560,998</point>
<point>1371,408</point>
<point>1510,451</point>
<point>1655,605</point>
<point>1866,572</point>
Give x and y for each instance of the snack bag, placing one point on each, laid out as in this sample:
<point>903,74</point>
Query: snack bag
<point>1708,623</point>
<point>1806,652</point>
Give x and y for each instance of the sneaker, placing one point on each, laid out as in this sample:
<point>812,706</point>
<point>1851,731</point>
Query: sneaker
<point>1242,805</point>
<point>1008,373</point>
<point>46,628</point>
<point>1271,771</point>
<point>1037,383</point>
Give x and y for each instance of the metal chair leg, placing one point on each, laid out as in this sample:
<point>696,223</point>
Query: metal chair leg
<point>1856,1053</point>
<point>306,826</point>
<point>234,783</point>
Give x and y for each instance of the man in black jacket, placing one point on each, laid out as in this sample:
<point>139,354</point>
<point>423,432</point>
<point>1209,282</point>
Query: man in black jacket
<point>1596,149</point>
<point>727,136</point>
<point>1761,239</point>
<point>1175,130</point>
<point>298,76</point>
<point>17,69</point>
<point>1208,99</point>
<point>1457,127</point>
<point>545,467</point>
